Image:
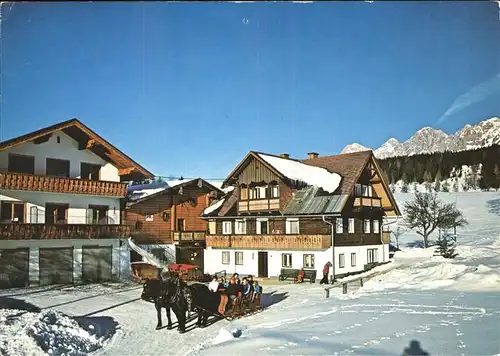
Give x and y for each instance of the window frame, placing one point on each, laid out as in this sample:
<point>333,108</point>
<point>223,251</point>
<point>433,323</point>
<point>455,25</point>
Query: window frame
<point>284,257</point>
<point>237,261</point>
<point>12,204</point>
<point>313,262</point>
<point>351,225</point>
<point>353,258</point>
<point>376,226</point>
<point>341,260</point>
<point>373,253</point>
<point>258,226</point>
<point>339,225</point>
<point>237,223</point>
<point>22,156</point>
<point>367,228</point>
<point>228,255</point>
<point>224,225</point>
<point>288,226</point>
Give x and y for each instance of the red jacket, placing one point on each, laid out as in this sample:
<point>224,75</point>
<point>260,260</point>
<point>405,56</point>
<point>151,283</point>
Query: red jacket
<point>326,268</point>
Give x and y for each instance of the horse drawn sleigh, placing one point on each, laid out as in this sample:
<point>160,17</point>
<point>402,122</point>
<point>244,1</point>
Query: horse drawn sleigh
<point>171,292</point>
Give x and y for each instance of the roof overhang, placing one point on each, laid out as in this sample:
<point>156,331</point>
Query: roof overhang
<point>87,139</point>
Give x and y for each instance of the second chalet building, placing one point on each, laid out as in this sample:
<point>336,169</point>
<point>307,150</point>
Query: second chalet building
<point>61,196</point>
<point>289,213</point>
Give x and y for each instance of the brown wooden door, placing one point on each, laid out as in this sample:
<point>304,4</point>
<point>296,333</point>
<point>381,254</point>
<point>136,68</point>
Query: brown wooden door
<point>262,261</point>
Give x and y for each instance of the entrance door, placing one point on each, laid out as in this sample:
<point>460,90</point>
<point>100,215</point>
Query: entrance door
<point>263,271</point>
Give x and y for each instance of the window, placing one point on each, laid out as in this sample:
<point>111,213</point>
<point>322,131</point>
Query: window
<point>56,213</point>
<point>351,225</point>
<point>367,190</point>
<point>262,193</point>
<point>308,261</point>
<point>181,225</point>
<point>238,258</point>
<point>57,167</point>
<point>372,255</point>
<point>376,226</point>
<point>21,164</point>
<point>340,226</point>
<point>255,193</point>
<point>226,258</point>
<point>33,215</point>
<point>367,226</point>
<point>341,260</point>
<point>12,212</point>
<point>370,191</point>
<point>212,227</point>
<point>97,214</point>
<point>227,228</point>
<point>243,193</point>
<point>262,226</point>
<point>358,190</point>
<point>286,260</point>
<point>89,171</point>
<point>353,260</point>
<point>292,226</point>
<point>275,191</point>
<point>240,227</point>
<point>148,217</point>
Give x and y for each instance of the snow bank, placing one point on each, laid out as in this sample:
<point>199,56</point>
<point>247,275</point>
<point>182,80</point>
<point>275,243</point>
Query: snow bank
<point>49,332</point>
<point>310,175</point>
<point>226,335</point>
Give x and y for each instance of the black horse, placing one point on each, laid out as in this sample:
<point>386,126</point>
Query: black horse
<point>158,292</point>
<point>208,303</point>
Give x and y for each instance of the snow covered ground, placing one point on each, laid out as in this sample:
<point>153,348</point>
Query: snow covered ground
<point>450,307</point>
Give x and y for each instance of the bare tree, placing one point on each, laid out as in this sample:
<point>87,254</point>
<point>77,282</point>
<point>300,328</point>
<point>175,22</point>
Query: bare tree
<point>426,213</point>
<point>397,233</point>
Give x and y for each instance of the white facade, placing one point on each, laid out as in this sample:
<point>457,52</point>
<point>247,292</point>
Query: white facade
<point>250,264</point>
<point>66,149</point>
<point>63,147</point>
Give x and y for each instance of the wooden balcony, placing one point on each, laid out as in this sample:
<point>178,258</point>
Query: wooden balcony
<point>188,235</point>
<point>367,202</point>
<point>271,242</point>
<point>40,183</point>
<point>258,205</point>
<point>14,231</point>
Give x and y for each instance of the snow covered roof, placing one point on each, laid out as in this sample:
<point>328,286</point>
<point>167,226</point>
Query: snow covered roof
<point>310,175</point>
<point>214,207</point>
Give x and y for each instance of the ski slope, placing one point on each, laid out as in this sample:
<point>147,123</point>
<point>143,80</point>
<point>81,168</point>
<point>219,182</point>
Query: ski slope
<point>449,307</point>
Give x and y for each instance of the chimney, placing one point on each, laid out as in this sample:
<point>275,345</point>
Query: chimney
<point>284,155</point>
<point>312,155</point>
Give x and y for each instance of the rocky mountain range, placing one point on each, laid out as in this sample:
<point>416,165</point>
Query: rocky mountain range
<point>430,140</point>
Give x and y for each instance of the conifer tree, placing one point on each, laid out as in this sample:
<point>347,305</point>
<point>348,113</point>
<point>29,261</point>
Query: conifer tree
<point>445,247</point>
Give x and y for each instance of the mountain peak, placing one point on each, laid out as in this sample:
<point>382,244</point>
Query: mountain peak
<point>430,140</point>
<point>354,147</point>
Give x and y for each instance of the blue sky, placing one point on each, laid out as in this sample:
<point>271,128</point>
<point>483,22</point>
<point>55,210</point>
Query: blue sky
<point>189,88</point>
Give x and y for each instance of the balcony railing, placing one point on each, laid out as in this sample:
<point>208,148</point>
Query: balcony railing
<point>39,183</point>
<point>16,231</point>
<point>296,242</point>
<point>258,205</point>
<point>367,201</point>
<point>188,235</point>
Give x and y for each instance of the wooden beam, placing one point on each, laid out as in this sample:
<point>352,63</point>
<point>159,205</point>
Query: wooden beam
<point>125,171</point>
<point>87,144</point>
<point>42,139</point>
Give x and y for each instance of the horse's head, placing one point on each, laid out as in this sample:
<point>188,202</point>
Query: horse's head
<point>151,289</point>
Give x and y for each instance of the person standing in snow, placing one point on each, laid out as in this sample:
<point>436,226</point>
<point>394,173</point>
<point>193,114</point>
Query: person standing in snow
<point>326,270</point>
<point>214,285</point>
